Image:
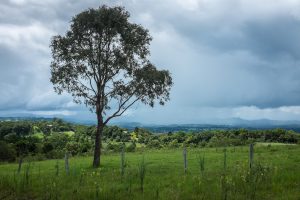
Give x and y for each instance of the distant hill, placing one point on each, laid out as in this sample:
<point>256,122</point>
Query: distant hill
<point>259,122</point>
<point>25,119</point>
<point>203,127</point>
<point>232,123</point>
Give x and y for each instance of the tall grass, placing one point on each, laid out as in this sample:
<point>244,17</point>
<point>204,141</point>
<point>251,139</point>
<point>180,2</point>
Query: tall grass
<point>56,168</point>
<point>201,162</point>
<point>142,172</point>
<point>122,168</point>
<point>274,175</point>
<point>224,177</point>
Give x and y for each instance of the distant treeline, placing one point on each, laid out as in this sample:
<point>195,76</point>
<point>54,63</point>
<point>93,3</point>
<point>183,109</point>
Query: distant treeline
<point>49,139</point>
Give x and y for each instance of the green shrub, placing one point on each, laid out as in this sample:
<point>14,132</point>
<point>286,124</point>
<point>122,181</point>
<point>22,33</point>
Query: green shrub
<point>202,144</point>
<point>131,147</point>
<point>73,147</point>
<point>47,147</point>
<point>55,154</point>
<point>39,157</point>
<point>154,144</point>
<point>11,138</point>
<point>173,144</point>
<point>115,147</point>
<point>85,147</point>
<point>7,152</point>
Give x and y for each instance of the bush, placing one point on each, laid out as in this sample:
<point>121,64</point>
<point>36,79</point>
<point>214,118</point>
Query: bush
<point>73,147</point>
<point>85,147</point>
<point>11,138</point>
<point>58,140</point>
<point>47,147</point>
<point>173,144</point>
<point>22,147</point>
<point>131,147</point>
<point>39,157</point>
<point>202,144</point>
<point>55,154</point>
<point>115,147</point>
<point>7,152</point>
<point>154,144</point>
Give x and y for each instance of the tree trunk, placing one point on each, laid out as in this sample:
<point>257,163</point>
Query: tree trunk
<point>98,143</point>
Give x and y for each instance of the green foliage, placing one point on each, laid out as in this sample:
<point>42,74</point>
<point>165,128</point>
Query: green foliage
<point>173,144</point>
<point>20,128</point>
<point>113,146</point>
<point>58,140</point>
<point>116,133</point>
<point>131,147</point>
<point>73,147</point>
<point>11,138</point>
<point>7,152</point>
<point>55,154</point>
<point>154,144</point>
<point>47,147</point>
<point>78,139</point>
<point>103,58</point>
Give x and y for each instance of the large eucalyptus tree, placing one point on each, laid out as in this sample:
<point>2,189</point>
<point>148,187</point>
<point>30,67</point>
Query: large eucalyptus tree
<point>102,61</point>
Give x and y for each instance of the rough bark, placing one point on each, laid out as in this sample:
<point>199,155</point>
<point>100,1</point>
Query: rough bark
<point>98,142</point>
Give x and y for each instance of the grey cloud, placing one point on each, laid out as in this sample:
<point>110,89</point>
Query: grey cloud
<point>13,80</point>
<point>222,54</point>
<point>252,61</point>
<point>24,84</point>
<point>275,38</point>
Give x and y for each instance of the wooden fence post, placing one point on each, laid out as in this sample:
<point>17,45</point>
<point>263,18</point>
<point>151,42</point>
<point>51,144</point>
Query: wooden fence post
<point>20,164</point>
<point>225,159</point>
<point>184,159</point>
<point>123,160</point>
<point>251,154</point>
<point>56,168</point>
<point>67,162</point>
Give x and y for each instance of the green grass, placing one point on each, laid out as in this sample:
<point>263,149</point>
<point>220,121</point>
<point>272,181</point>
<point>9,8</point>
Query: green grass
<point>272,144</point>
<point>276,175</point>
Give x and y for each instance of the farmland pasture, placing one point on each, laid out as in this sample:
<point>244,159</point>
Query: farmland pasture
<point>275,175</point>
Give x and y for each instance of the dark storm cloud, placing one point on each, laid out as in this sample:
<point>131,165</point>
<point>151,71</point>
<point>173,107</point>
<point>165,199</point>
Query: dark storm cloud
<point>234,60</point>
<point>228,58</point>
<point>25,29</point>
<point>273,39</point>
<point>267,39</point>
<point>23,85</point>
<point>12,78</point>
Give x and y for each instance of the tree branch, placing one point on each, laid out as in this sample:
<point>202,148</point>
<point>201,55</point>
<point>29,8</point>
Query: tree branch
<point>83,92</point>
<point>120,111</point>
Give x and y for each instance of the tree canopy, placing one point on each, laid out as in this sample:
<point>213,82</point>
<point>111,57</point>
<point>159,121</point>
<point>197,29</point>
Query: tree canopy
<point>102,61</point>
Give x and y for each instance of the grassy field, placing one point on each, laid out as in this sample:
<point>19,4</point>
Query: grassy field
<point>211,174</point>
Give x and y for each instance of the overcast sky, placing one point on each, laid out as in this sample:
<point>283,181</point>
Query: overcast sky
<point>228,58</point>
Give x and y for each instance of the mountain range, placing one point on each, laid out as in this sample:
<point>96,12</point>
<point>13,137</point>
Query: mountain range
<point>231,123</point>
